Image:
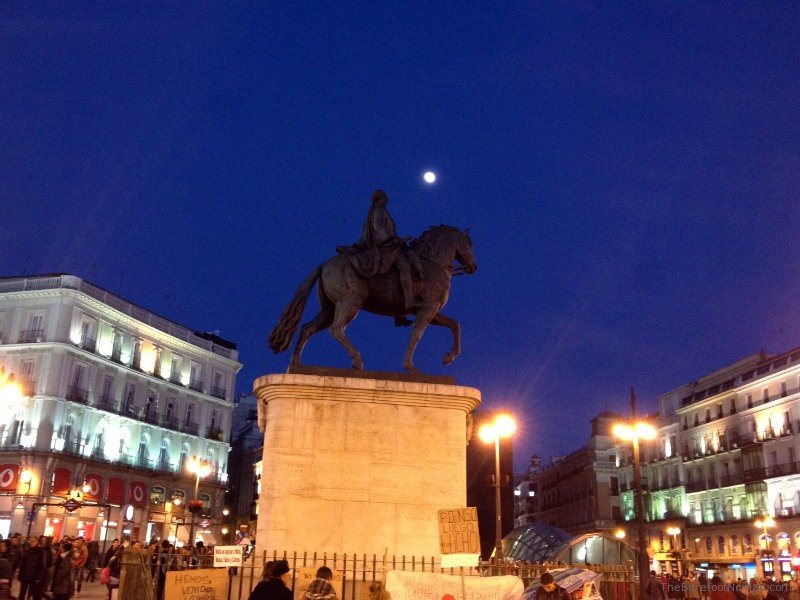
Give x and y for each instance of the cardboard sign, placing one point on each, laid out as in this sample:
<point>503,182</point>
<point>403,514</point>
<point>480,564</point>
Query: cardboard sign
<point>458,531</point>
<point>200,584</point>
<point>305,575</point>
<point>403,585</point>
<point>228,556</point>
<point>450,561</point>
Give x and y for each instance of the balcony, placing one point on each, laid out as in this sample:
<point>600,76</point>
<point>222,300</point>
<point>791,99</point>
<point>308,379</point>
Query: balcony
<point>175,377</point>
<point>31,336</point>
<point>171,423</point>
<point>214,433</point>
<point>218,392</point>
<point>88,343</point>
<point>77,394</point>
<point>28,388</point>
<point>730,480</point>
<point>790,468</point>
<point>695,486</point>
<point>107,403</point>
<point>196,385</point>
<point>190,427</point>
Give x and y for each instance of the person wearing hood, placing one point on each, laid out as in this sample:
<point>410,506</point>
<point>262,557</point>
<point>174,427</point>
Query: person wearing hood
<point>277,586</point>
<point>62,575</point>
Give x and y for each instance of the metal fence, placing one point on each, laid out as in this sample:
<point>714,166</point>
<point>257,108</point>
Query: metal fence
<point>360,571</point>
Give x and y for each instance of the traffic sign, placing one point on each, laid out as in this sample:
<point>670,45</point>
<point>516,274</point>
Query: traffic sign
<point>31,516</point>
<point>72,505</point>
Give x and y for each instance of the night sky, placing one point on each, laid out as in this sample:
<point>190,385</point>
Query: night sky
<point>629,172</point>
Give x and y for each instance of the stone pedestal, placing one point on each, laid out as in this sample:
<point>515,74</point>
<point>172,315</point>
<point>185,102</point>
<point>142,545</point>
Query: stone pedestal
<point>359,465</point>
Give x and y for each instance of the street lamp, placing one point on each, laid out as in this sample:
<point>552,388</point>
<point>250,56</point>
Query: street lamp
<point>503,426</point>
<point>633,432</point>
<point>200,468</point>
<point>763,524</point>
<point>676,548</point>
<point>10,391</point>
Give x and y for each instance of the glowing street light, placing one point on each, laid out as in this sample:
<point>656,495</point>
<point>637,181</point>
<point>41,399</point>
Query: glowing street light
<point>763,524</point>
<point>200,468</point>
<point>10,391</point>
<point>619,534</point>
<point>633,432</point>
<point>503,426</point>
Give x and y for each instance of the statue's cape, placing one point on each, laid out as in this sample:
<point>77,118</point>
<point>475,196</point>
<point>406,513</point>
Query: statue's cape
<point>373,260</point>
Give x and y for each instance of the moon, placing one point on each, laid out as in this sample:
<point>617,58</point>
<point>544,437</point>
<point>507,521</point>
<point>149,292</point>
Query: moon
<point>429,177</point>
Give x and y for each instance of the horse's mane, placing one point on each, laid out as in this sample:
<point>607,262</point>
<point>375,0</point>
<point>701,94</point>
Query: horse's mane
<point>430,234</point>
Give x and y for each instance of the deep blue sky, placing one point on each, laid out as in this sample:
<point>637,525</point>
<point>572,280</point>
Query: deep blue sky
<point>630,173</point>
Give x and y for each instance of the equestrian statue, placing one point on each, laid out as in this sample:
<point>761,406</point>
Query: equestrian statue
<point>385,275</point>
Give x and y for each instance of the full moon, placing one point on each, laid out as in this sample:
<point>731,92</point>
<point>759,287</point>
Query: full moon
<point>429,176</point>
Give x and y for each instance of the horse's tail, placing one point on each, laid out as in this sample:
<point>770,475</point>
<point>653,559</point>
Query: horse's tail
<point>281,335</point>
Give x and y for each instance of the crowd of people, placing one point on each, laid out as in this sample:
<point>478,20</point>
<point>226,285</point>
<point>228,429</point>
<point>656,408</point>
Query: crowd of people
<point>45,568</point>
<point>693,587</point>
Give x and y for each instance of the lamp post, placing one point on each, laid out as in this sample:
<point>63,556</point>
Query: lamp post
<point>9,389</point>
<point>676,549</point>
<point>633,432</point>
<point>503,426</point>
<point>200,468</point>
<point>763,524</point>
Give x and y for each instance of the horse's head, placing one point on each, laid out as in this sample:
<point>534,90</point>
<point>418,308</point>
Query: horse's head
<point>464,253</point>
<point>444,244</point>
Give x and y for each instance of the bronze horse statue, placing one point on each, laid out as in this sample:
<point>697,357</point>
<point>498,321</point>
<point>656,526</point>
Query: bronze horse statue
<point>343,293</point>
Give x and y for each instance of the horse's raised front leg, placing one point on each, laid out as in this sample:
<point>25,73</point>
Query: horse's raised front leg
<point>322,321</point>
<point>452,325</point>
<point>345,313</point>
<point>421,321</point>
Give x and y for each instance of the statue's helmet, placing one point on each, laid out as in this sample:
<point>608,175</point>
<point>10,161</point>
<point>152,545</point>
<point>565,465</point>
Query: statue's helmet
<point>379,195</point>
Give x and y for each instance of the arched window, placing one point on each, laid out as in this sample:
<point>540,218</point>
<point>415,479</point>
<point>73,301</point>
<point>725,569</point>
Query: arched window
<point>709,545</point>
<point>67,433</point>
<point>178,497</point>
<point>747,543</point>
<point>184,457</point>
<point>98,448</point>
<point>205,499</point>
<point>143,455</point>
<point>157,495</point>
<point>721,544</point>
<point>734,544</point>
<point>163,455</point>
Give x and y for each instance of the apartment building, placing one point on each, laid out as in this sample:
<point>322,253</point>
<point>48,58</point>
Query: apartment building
<point>116,405</point>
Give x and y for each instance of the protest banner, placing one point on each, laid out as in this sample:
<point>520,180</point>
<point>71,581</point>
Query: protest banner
<point>403,585</point>
<point>199,584</point>
<point>458,531</point>
<point>228,556</point>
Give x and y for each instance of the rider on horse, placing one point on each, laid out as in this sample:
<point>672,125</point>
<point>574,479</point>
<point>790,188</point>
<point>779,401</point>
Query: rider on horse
<point>379,242</point>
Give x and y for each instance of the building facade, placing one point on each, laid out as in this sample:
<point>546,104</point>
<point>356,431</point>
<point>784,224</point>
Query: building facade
<point>726,456</point>
<point>579,493</point>
<point>117,403</point>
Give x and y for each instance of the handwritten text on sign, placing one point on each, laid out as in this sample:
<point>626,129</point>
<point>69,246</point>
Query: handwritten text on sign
<point>458,531</point>
<point>200,584</point>
<point>227,556</point>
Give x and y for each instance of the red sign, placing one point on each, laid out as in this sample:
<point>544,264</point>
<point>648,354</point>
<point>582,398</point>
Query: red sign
<point>94,487</point>
<point>116,490</point>
<point>9,476</point>
<point>138,493</point>
<point>62,481</point>
<point>72,505</point>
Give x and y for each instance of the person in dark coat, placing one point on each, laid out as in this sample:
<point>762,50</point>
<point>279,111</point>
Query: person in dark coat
<point>31,571</point>
<point>62,575</point>
<point>549,590</point>
<point>277,586</point>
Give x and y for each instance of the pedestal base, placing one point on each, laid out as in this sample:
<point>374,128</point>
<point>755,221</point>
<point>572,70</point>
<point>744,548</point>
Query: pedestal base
<point>354,465</point>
